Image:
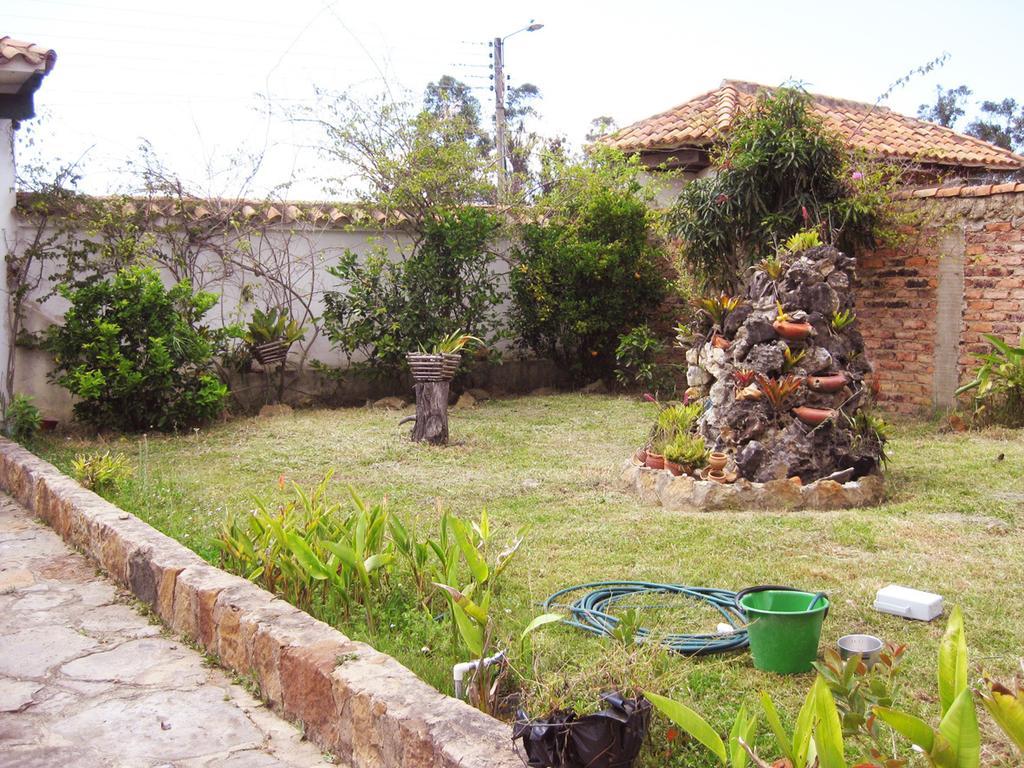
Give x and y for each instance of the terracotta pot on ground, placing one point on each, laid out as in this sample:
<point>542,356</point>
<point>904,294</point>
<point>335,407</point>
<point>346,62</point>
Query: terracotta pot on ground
<point>716,476</point>
<point>717,460</point>
<point>813,416</point>
<point>831,383</point>
<point>792,331</point>
<point>675,469</point>
<point>655,460</point>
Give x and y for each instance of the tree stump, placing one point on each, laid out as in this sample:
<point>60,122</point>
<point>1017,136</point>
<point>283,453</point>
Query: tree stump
<point>431,412</point>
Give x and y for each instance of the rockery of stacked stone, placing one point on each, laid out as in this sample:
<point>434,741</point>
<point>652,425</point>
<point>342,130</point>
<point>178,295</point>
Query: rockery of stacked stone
<point>749,358</point>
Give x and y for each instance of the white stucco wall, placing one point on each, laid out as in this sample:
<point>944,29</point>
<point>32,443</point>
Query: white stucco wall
<point>8,234</point>
<point>302,250</point>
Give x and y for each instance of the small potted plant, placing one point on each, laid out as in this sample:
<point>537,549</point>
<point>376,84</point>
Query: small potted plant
<point>687,452</point>
<point>270,334</point>
<point>442,361</point>
<point>789,329</point>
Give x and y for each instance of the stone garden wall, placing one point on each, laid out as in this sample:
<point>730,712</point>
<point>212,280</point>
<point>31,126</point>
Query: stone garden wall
<point>360,705</point>
<point>924,305</point>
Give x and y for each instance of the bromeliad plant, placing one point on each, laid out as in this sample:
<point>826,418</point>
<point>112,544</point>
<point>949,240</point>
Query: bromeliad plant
<point>674,419</point>
<point>803,240</point>
<point>272,325</point>
<point>717,308</point>
<point>791,359</point>
<point>687,450</point>
<point>778,392</point>
<point>841,320</point>
<point>453,343</point>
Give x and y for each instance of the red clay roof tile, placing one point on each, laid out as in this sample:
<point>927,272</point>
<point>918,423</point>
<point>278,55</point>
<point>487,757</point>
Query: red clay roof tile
<point>705,119</point>
<point>41,58</point>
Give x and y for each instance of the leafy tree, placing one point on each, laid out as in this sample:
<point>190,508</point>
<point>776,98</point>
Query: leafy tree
<point>1000,122</point>
<point>420,165</point>
<point>603,125</point>
<point>135,354</point>
<point>396,158</point>
<point>781,171</point>
<point>519,109</point>
<point>448,98</point>
<point>390,307</point>
<point>589,264</point>
<point>1005,127</point>
<point>948,107</point>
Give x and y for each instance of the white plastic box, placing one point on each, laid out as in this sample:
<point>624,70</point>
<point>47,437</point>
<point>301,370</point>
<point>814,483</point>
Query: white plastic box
<point>908,603</point>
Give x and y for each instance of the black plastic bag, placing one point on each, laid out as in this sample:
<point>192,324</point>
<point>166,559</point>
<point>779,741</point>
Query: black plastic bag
<point>608,739</point>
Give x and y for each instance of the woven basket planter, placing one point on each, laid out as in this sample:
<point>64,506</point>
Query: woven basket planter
<point>271,353</point>
<point>426,367</point>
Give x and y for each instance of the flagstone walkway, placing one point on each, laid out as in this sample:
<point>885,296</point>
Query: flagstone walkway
<point>86,680</point>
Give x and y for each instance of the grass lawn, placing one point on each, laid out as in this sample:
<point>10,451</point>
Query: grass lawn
<point>952,525</point>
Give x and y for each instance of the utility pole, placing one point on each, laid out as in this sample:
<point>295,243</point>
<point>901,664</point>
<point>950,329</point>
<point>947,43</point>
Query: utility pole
<point>499,113</point>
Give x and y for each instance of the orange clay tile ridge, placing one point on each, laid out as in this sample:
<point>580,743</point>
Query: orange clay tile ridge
<point>878,130</point>
<point>324,215</point>
<point>12,50</point>
<point>983,190</point>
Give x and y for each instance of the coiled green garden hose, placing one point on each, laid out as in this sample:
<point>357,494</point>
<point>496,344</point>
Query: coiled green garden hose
<point>591,612</point>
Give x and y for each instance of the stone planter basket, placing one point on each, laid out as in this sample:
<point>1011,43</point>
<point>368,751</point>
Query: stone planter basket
<point>270,353</point>
<point>430,367</point>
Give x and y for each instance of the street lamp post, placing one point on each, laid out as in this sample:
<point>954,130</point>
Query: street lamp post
<point>500,129</point>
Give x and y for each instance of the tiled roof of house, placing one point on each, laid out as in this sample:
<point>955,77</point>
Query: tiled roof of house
<point>12,50</point>
<point>705,119</point>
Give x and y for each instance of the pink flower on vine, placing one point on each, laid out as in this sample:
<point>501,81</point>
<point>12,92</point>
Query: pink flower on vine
<point>857,175</point>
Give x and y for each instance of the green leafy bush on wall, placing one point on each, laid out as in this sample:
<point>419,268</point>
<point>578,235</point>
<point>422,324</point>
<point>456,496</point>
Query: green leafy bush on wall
<point>393,306</point>
<point>135,355</point>
<point>589,265</point>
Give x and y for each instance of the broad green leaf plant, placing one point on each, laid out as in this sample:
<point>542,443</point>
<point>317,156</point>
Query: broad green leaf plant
<point>956,742</point>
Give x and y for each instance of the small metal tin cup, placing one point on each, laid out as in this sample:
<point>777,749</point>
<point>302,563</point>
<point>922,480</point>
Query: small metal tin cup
<point>868,646</point>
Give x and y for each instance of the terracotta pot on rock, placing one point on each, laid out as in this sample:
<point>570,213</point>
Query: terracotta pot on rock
<point>792,331</point>
<point>675,469</point>
<point>813,416</point>
<point>717,460</point>
<point>831,383</point>
<point>716,476</point>
<point>655,460</point>
<point>720,342</point>
<point>640,456</point>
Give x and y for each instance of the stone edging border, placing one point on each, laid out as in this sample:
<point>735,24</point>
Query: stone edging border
<point>685,494</point>
<point>353,701</point>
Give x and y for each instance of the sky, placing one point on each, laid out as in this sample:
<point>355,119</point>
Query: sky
<point>204,82</point>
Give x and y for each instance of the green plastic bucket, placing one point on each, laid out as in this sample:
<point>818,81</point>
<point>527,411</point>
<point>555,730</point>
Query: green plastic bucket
<point>784,631</point>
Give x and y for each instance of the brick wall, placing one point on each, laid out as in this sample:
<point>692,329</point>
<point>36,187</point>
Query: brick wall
<point>923,306</point>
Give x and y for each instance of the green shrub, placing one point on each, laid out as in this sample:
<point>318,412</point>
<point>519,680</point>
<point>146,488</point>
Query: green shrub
<point>135,355</point>
<point>588,266</point>
<point>21,419</point>
<point>101,472</point>
<point>636,359</point>
<point>998,385</point>
<point>782,171</point>
<point>390,307</point>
